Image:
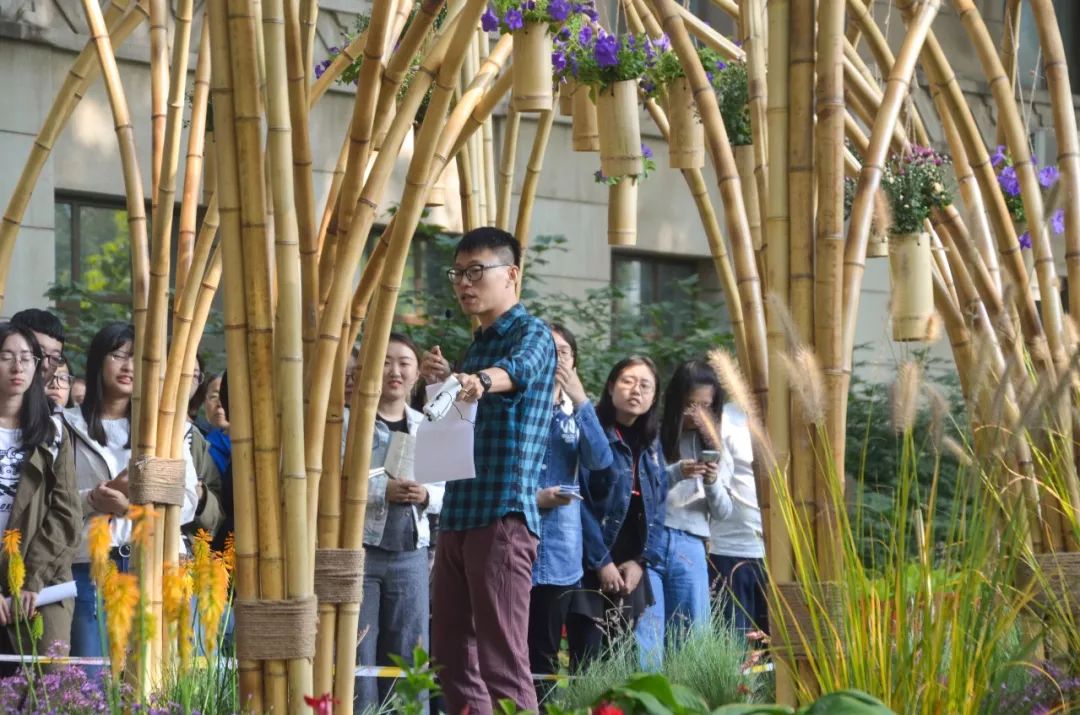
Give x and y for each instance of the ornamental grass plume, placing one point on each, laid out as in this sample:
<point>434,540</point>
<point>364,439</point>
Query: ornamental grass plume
<point>99,541</point>
<point>807,383</point>
<point>906,397</point>
<point>16,568</point>
<point>121,596</point>
<point>705,422</point>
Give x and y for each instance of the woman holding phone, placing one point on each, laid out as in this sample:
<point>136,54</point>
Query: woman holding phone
<point>622,512</point>
<point>576,439</point>
<point>698,472</point>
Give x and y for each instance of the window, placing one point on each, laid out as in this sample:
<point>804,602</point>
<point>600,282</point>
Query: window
<point>1030,58</point>
<point>93,246</point>
<point>425,290</point>
<point>642,282</point>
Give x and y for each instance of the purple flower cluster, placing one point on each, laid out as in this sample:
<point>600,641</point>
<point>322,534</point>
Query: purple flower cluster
<point>1048,689</point>
<point>516,14</point>
<point>67,690</point>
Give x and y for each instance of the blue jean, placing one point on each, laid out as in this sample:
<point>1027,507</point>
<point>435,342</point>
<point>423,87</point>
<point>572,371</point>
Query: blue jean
<point>393,616</point>
<point>680,586</point>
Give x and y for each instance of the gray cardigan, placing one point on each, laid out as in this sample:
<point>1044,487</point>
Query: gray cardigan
<point>691,503</point>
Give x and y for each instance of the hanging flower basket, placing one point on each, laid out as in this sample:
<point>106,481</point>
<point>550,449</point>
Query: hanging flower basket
<point>622,212</point>
<point>620,129</point>
<point>586,131</point>
<point>686,146</point>
<point>911,279</point>
<point>566,98</point>
<point>531,68</point>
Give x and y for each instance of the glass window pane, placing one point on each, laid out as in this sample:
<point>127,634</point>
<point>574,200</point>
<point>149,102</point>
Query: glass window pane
<point>104,250</point>
<point>629,276</point>
<point>62,233</point>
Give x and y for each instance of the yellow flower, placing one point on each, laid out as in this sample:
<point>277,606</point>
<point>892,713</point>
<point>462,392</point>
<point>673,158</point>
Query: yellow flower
<point>121,596</point>
<point>213,581</point>
<point>143,517</point>
<point>186,635</point>
<point>99,541</point>
<point>16,575</point>
<point>12,537</point>
<point>204,536</point>
<point>228,554</point>
<point>175,590</point>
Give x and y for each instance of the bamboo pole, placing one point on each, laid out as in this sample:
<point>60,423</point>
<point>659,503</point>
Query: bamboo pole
<point>488,130</point>
<point>728,178</point>
<point>79,77</point>
<point>829,271</point>
<point>531,182</point>
<point>250,675</point>
<point>506,168</point>
<point>1059,85</point>
<point>247,79</point>
<point>377,330</point>
<point>1010,44</point>
<point>282,94</point>
<point>159,88</point>
<point>193,165</point>
<point>309,14</point>
<point>349,54</point>
<point>751,13</point>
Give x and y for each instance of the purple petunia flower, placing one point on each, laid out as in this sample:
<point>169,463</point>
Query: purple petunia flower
<point>564,34</point>
<point>648,86</point>
<point>999,156</point>
<point>606,51</point>
<point>1025,240</point>
<point>709,76</point>
<point>531,5</point>
<point>1048,176</point>
<point>513,19</point>
<point>584,36</point>
<point>646,151</point>
<point>1057,222</point>
<point>1009,182</point>
<point>663,44</point>
<point>650,53</point>
<point>559,10</point>
<point>599,176</point>
<point>558,61</point>
<point>489,21</point>
<point>590,12</point>
<point>720,64</point>
<point>320,69</point>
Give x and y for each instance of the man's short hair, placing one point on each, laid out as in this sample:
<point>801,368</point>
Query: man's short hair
<point>489,238</point>
<point>40,321</point>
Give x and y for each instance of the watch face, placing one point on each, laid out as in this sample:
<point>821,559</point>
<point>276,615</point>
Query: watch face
<point>484,380</point>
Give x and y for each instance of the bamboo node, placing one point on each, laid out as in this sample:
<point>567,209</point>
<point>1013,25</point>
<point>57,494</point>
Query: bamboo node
<point>338,575</point>
<point>153,480</point>
<point>276,630</point>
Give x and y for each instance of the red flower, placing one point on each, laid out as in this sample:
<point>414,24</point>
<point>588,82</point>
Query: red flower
<point>607,709</point>
<point>322,705</point>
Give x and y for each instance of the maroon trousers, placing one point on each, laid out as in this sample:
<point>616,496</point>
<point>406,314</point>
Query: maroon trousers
<point>480,616</point>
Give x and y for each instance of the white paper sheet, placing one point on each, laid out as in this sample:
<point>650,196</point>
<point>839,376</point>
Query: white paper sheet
<point>400,456</point>
<point>54,594</point>
<point>444,449</point>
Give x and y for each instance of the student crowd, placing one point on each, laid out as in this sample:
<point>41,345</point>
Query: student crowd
<point>584,521</point>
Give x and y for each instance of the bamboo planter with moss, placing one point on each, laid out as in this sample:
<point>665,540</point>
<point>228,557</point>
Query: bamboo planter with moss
<point>686,143</point>
<point>532,69</point>
<point>586,126</point>
<point>620,129</point>
<point>911,281</point>
<point>622,212</point>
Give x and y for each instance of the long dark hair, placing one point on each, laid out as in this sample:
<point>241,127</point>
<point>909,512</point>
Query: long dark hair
<point>688,376</point>
<point>108,339</point>
<point>646,425</point>
<point>35,421</point>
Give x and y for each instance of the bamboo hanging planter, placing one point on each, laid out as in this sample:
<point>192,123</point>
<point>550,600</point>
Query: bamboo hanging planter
<point>586,126</point>
<point>686,145</point>
<point>620,135</point>
<point>622,212</point>
<point>566,98</point>
<point>532,71</point>
<point>911,278</point>
<point>877,245</point>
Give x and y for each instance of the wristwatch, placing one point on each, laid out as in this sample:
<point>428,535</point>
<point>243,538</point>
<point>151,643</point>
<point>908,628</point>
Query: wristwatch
<point>484,380</point>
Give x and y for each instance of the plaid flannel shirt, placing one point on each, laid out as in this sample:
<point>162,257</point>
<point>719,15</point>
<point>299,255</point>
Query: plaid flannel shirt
<point>511,428</point>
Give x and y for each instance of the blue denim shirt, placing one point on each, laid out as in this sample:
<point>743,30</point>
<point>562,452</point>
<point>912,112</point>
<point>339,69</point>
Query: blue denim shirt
<point>607,499</point>
<point>576,438</point>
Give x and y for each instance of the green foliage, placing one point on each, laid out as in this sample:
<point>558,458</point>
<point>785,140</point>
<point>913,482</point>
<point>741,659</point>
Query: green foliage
<point>915,185</point>
<point>648,166</point>
<point>415,689</point>
<point>606,59</point>
<point>732,92</point>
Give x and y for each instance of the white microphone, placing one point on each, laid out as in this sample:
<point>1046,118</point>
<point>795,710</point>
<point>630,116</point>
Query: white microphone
<point>439,405</point>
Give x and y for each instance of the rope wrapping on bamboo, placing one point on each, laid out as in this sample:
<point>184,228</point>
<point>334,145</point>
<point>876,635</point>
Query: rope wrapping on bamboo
<point>798,623</point>
<point>339,575</point>
<point>276,630</point>
<point>153,480</point>
<point>1055,577</point>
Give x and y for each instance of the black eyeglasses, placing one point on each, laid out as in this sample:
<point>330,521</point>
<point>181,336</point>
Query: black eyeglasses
<point>55,359</point>
<point>473,273</point>
<point>61,381</point>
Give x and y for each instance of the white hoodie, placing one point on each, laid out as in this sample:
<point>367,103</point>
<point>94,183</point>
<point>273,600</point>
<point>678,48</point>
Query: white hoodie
<point>740,534</point>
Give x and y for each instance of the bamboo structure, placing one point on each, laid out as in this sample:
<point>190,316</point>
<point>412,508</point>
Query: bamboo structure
<point>791,275</point>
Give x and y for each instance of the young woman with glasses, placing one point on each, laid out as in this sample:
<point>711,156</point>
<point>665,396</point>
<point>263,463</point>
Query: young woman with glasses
<point>58,387</point>
<point>101,427</point>
<point>38,496</point>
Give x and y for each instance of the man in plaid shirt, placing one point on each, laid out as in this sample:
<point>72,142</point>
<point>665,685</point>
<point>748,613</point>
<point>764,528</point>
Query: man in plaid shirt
<point>488,526</point>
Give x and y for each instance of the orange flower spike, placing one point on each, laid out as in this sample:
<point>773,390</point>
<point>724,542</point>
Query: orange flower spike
<point>121,596</point>
<point>186,636</point>
<point>143,517</point>
<point>204,536</point>
<point>12,538</point>
<point>99,541</point>
<point>16,573</point>
<point>172,591</point>
<point>228,554</point>
<point>212,601</point>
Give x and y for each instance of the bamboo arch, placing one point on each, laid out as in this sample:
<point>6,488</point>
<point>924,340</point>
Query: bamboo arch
<point>293,313</point>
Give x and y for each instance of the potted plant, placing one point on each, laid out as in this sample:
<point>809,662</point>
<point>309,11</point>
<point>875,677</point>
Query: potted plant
<point>877,246</point>
<point>611,66</point>
<point>532,23</point>
<point>574,99</point>
<point>1010,187</point>
<point>914,184</point>
<point>622,201</point>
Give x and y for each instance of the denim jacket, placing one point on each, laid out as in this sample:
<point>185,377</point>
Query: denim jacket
<point>378,507</point>
<point>607,500</point>
<point>576,438</point>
